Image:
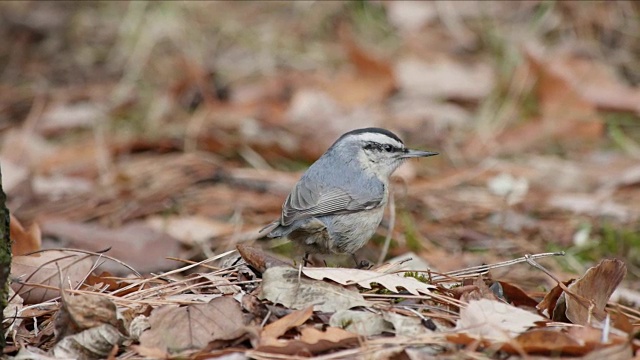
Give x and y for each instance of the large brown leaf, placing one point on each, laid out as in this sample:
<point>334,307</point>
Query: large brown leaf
<point>176,329</point>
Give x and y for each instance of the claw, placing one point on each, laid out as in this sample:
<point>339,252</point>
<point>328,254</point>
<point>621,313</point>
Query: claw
<point>363,264</point>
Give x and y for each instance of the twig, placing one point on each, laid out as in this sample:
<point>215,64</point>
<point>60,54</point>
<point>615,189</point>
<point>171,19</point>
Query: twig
<point>176,271</point>
<point>483,269</point>
<point>587,303</point>
<point>392,224</point>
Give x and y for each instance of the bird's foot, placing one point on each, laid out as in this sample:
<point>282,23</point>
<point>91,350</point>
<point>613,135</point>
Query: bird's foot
<point>305,259</point>
<point>362,264</point>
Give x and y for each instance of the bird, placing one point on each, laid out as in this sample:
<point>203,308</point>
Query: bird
<point>338,203</point>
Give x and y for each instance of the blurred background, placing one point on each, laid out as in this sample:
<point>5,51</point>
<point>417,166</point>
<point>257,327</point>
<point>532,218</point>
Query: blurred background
<point>176,129</point>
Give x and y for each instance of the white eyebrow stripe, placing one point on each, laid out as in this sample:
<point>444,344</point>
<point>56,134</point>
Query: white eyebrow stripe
<point>379,138</point>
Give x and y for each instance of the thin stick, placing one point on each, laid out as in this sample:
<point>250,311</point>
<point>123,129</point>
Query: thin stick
<point>392,224</point>
<point>483,269</point>
<point>176,271</point>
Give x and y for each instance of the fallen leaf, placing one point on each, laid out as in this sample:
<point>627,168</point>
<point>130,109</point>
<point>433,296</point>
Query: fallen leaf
<point>622,351</point>
<point>444,78</point>
<point>150,353</point>
<point>597,285</point>
<point>282,285</point>
<point>567,115</point>
<point>68,116</point>
<point>548,342</point>
<point>259,259</point>
<point>363,323</point>
<point>516,296</point>
<point>13,174</point>
<point>495,320</point>
<point>365,278</point>
<point>112,283</point>
<point>84,311</point>
<point>57,186</point>
<point>175,329</point>
<point>372,82</point>
<point>41,269</point>
<point>134,243</point>
<point>595,81</point>
<point>13,312</point>
<point>550,300</point>
<point>410,16</point>
<point>271,332</point>
<point>410,326</point>
<point>24,240</point>
<point>94,343</point>
<point>312,341</point>
<point>590,205</point>
<point>221,284</point>
<point>190,230</point>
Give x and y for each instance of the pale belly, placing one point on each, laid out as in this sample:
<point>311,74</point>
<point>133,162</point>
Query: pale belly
<point>338,234</point>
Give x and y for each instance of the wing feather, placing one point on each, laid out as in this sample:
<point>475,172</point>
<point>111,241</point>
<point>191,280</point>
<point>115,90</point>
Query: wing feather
<point>309,199</point>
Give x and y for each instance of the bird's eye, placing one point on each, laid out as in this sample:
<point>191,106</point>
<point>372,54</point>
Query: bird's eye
<point>388,148</point>
<point>368,146</point>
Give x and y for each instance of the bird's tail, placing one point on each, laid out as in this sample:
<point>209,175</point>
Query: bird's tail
<point>265,232</point>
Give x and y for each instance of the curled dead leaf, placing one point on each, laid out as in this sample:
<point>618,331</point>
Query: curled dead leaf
<point>24,240</point>
<point>94,343</point>
<point>82,312</point>
<point>597,285</point>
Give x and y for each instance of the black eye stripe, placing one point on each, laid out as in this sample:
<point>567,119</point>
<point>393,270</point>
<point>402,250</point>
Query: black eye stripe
<point>383,147</point>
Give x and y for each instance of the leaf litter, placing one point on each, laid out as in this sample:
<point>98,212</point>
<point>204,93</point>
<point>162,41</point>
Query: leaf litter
<point>147,156</point>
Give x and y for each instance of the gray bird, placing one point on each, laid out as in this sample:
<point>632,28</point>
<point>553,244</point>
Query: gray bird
<point>338,203</point>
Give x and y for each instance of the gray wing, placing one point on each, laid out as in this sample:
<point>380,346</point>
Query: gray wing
<point>310,199</point>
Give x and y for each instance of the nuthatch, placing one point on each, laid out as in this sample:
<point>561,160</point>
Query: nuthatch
<point>338,203</point>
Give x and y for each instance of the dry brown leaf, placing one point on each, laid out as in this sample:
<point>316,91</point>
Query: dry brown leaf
<point>94,343</point>
<point>222,284</point>
<point>622,351</point>
<point>282,285</point>
<point>111,282</point>
<point>565,114</point>
<point>364,323</point>
<point>574,341</point>
<point>444,78</point>
<point>270,333</point>
<point>258,259</point>
<point>596,82</point>
<point>64,116</point>
<point>597,284</point>
<point>548,341</point>
<point>150,353</point>
<point>24,240</point>
<point>82,311</point>
<point>312,341</point>
<point>41,269</point>
<point>175,329</point>
<point>14,312</point>
<point>550,300</point>
<point>495,320</point>
<point>373,80</point>
<point>516,296</point>
<point>190,230</point>
<point>365,278</point>
<point>134,243</point>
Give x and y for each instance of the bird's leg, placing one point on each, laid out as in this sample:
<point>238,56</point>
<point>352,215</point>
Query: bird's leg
<point>305,259</point>
<point>363,264</point>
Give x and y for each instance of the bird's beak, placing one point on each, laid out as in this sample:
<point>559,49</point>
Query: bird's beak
<point>417,153</point>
